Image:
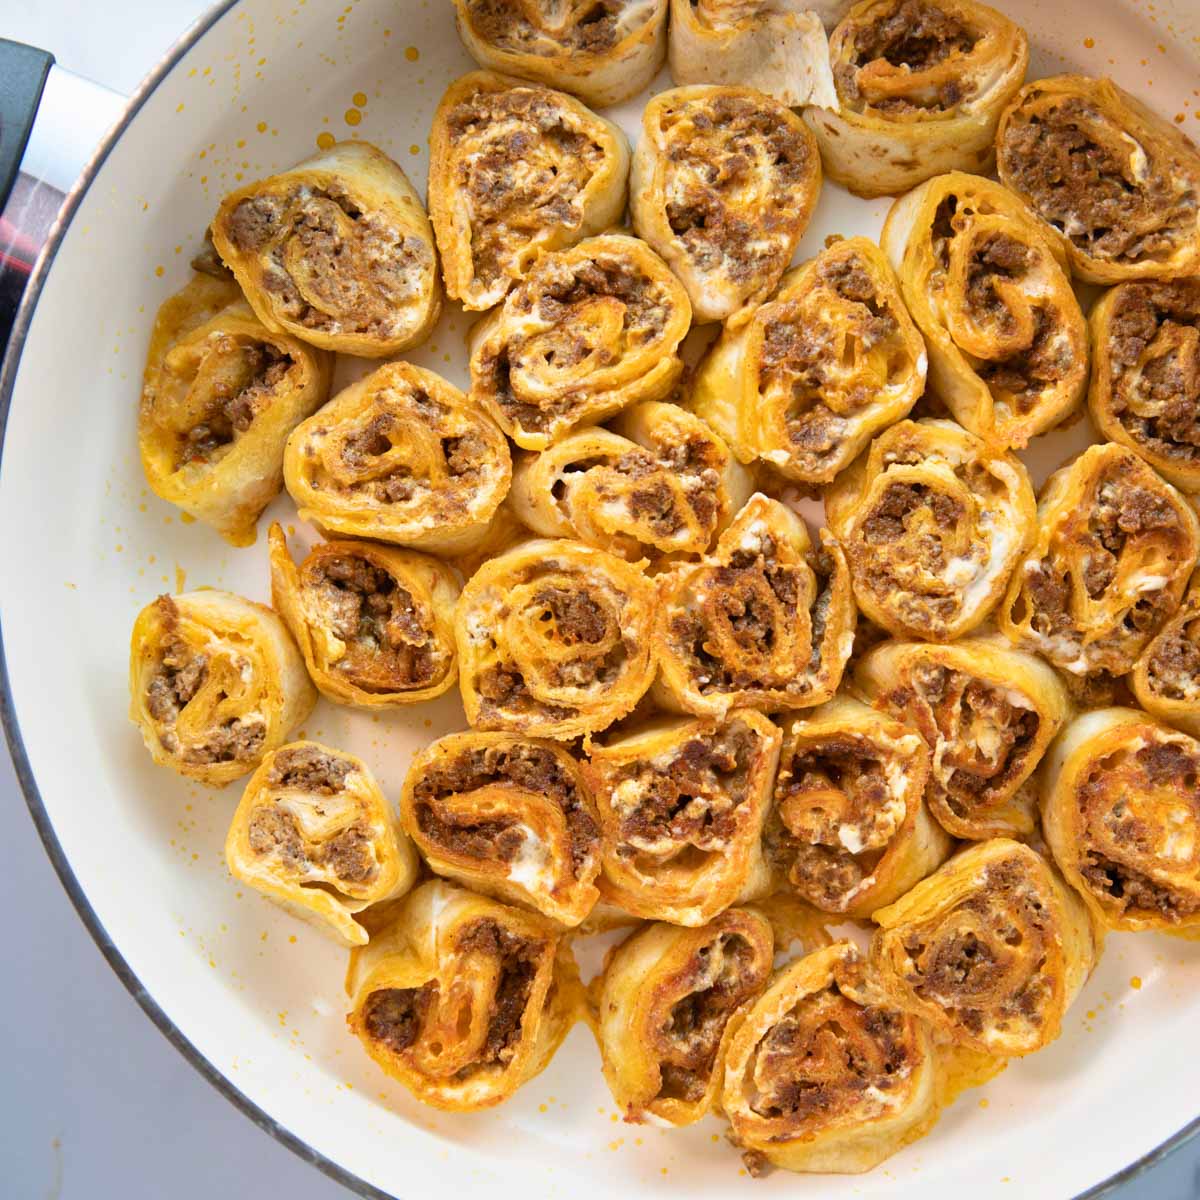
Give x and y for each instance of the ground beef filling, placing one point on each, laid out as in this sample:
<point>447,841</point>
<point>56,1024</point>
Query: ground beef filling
<point>907,507</point>
<point>310,769</point>
<point>524,173</point>
<point>653,505</point>
<point>1122,513</point>
<point>696,800</point>
<point>1174,667</point>
<point>1121,836</point>
<point>502,687</point>
<point>506,25</point>
<point>466,453</point>
<point>526,769</point>
<point>943,229</point>
<point>1023,378</point>
<point>174,683</point>
<point>972,976</point>
<point>1046,600</point>
<point>179,677</point>
<point>840,785</point>
<point>551,296</point>
<point>985,739</point>
<point>1120,886</point>
<point>915,35</point>
<point>654,485</point>
<point>582,282</point>
<point>721,977</point>
<point>718,150</point>
<point>393,1017</point>
<point>998,258</point>
<point>588,648</point>
<point>274,832</point>
<point>245,381</point>
<point>1024,375</point>
<point>904,540</point>
<point>821,1059</point>
<point>519,958</point>
<point>750,600</point>
<point>348,855</point>
<point>578,620</point>
<point>802,360</point>
<point>1070,163</point>
<point>329,265</point>
<point>208,262</point>
<point>390,644</point>
<point>1154,344</point>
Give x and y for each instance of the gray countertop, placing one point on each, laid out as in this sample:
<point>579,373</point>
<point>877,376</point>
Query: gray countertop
<point>96,1103</point>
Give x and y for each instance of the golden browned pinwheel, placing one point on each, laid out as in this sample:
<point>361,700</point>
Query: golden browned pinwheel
<point>508,816</point>
<point>991,949</point>
<point>336,251</point>
<point>821,1075</point>
<point>215,683</point>
<point>1115,548</point>
<point>315,834</point>
<point>920,88</point>
<point>774,46</point>
<point>1145,390</point>
<point>400,456</point>
<point>850,830</point>
<point>987,285</point>
<point>724,182</point>
<point>1120,185</point>
<point>604,53</point>
<point>933,523</point>
<point>765,620</point>
<point>664,1003</point>
<point>589,331</point>
<point>1166,677</point>
<point>515,170</point>
<point>460,998</point>
<point>1121,811</point>
<point>554,640</point>
<point>814,373</point>
<point>375,623</point>
<point>220,394</point>
<point>656,484</point>
<point>682,803</point>
<point>988,710</point>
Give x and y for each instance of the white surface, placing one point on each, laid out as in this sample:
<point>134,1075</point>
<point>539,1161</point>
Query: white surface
<point>82,1064</point>
<point>103,1106</point>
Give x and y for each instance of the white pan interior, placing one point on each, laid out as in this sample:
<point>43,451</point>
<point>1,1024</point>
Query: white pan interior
<point>86,545</point>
